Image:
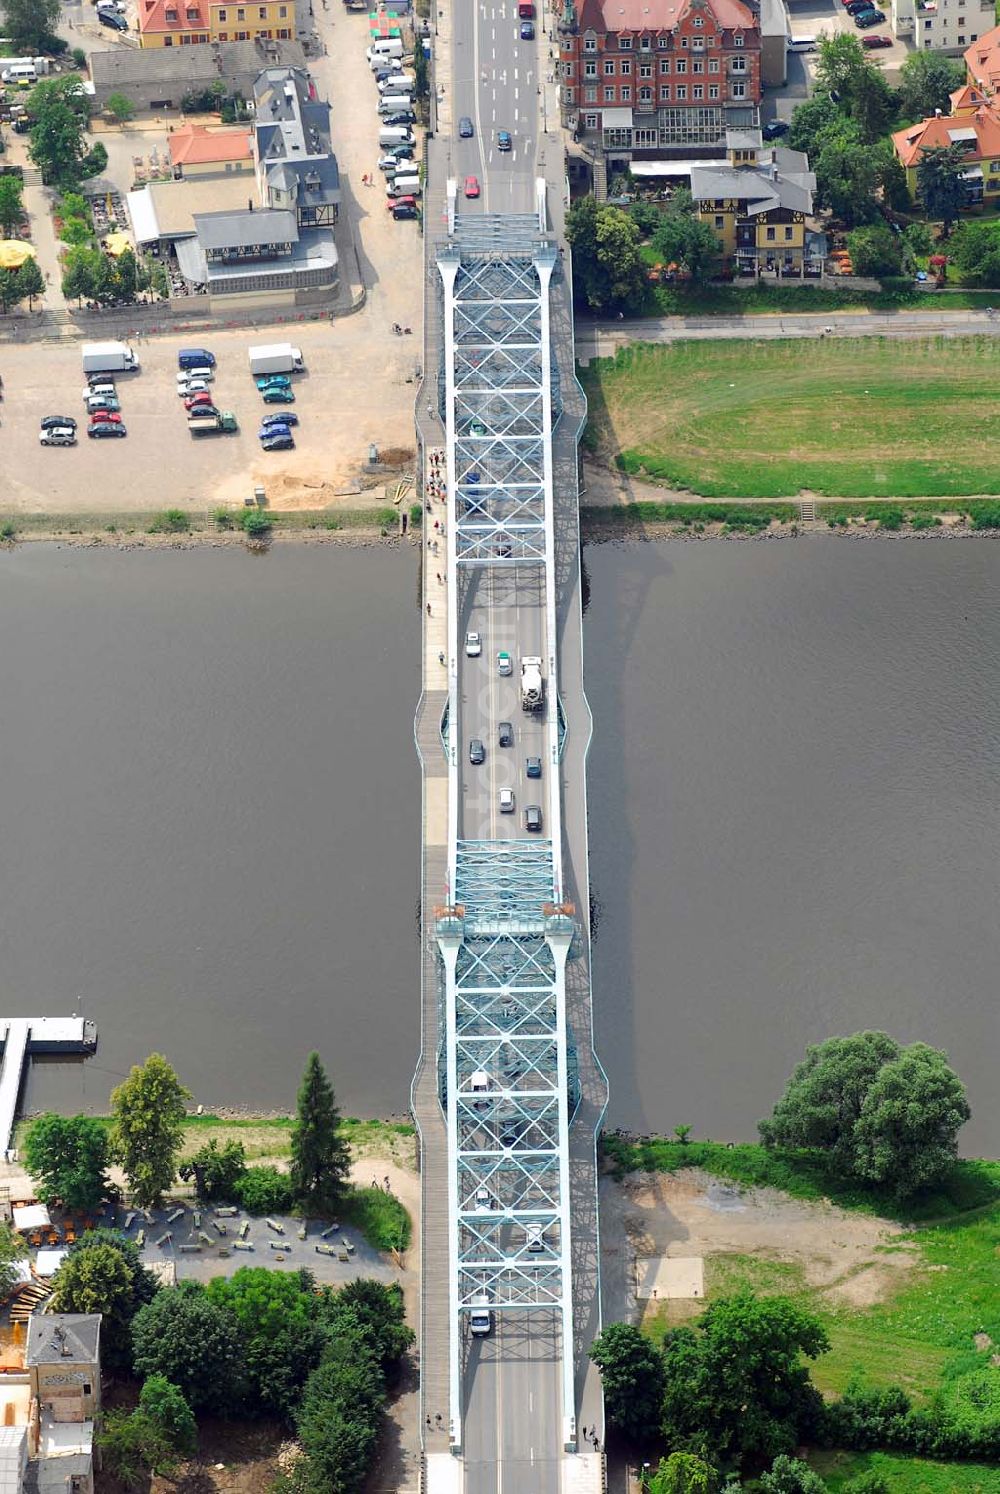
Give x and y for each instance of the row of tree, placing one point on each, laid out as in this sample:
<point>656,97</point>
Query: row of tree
<point>68,1156</point>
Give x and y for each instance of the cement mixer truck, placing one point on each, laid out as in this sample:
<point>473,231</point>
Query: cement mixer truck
<point>532,684</point>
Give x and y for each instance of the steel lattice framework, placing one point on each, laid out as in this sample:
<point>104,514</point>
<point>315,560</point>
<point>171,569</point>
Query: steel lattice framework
<point>504,934</point>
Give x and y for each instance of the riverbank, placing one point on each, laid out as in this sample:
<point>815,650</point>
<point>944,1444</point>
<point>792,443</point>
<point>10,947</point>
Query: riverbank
<point>176,529</point>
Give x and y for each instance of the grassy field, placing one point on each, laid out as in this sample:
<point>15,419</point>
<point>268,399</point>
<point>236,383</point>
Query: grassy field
<point>922,1335</point>
<point>844,418</point>
<point>907,1475</point>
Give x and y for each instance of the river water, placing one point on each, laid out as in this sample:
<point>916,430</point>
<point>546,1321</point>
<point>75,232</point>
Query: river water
<point>209,815</point>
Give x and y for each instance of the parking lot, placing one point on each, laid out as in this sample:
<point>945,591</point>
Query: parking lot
<point>357,390</point>
<point>821,18</point>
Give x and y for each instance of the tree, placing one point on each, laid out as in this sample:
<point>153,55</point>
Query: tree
<point>875,1111</point>
<point>890,177</point>
<point>133,1447</point>
<point>120,107</point>
<point>926,82</point>
<point>12,289</point>
<point>855,84</point>
<point>80,276</point>
<point>869,1482</point>
<point>11,204</point>
<point>195,1343</point>
<point>846,175</point>
<point>380,1312</point>
<point>341,1414</point>
<point>30,24</point>
<point>58,109</point>
<point>149,1127</point>
<point>939,182</point>
<point>12,1250</point>
<point>975,249</point>
<point>791,1476</point>
<point>683,1473</point>
<point>875,250</point>
<point>217,1173</point>
<point>103,1273</point>
<point>810,120</point>
<point>420,79</point>
<point>68,1155</point>
<point>265,1190</point>
<point>167,1409</point>
<point>283,1339</point>
<point>321,1158</point>
<point>685,240</point>
<point>632,1374</point>
<point>735,1385</point>
<point>919,239</point>
<point>607,263</point>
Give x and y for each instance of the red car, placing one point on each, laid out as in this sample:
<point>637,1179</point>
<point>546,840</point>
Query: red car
<point>198,399</point>
<point>105,417</point>
<point>472,186</point>
<point>871,42</point>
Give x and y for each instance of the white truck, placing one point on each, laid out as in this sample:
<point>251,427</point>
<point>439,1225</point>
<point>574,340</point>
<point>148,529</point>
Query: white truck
<point>532,684</point>
<point>109,357</point>
<point>275,357</point>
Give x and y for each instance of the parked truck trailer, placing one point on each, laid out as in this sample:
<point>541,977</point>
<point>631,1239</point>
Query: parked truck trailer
<point>275,357</point>
<point>109,357</point>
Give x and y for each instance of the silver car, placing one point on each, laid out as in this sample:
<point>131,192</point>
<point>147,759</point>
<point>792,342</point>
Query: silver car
<point>60,435</point>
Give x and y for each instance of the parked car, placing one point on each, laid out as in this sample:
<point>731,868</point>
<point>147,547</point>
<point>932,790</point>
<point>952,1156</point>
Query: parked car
<point>505,664</point>
<point>193,386</point>
<point>273,381</point>
<point>477,752</point>
<point>102,402</point>
<point>112,19</point>
<point>466,129</point>
<point>105,428</point>
<point>869,18</point>
<point>106,415</point>
<point>506,801</point>
<point>774,129</point>
<point>198,371</point>
<point>203,411</point>
<point>504,141</point>
<point>58,422</point>
<point>506,734</point>
<point>192,401</point>
<point>104,386</point>
<point>472,186</point>
<point>473,645</point>
<point>388,164</point>
<point>58,435</point>
<point>871,42</point>
<point>404,208</point>
<point>287,417</point>
<point>527,31</point>
<point>280,441</point>
<point>278,396</point>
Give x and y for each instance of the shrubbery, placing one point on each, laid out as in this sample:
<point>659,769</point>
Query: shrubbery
<point>264,1190</point>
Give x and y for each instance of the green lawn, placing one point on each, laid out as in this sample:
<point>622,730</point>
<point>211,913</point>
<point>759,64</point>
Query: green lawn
<point>845,418</point>
<point>907,1475</point>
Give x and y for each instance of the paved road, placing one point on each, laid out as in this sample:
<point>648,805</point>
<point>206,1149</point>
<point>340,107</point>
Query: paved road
<point>600,339</point>
<point>513,1418</point>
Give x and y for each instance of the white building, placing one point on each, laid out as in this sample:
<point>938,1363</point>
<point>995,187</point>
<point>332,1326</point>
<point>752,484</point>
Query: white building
<point>942,25</point>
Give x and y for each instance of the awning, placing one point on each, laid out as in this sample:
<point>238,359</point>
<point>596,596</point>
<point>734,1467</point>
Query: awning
<point>973,174</point>
<point>14,253</point>
<point>142,212</point>
<point>31,1216</point>
<point>47,1262</point>
<point>117,243</point>
<point>616,119</point>
<point>669,168</point>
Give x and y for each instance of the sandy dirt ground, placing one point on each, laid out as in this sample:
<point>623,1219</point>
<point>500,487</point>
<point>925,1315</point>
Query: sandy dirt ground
<point>691,1214</point>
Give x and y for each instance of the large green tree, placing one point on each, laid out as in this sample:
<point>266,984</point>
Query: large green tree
<point>149,1112</point>
<point>58,108</point>
<point>11,203</point>
<point>811,120</point>
<point>846,175</point>
<point>875,1111</point>
<point>321,1158</point>
<point>790,1476</point>
<point>217,1171</point>
<point>736,1386</point>
<point>12,1250</point>
<point>283,1338</point>
<point>196,1344</point>
<point>30,281</point>
<point>684,1473</point>
<point>847,75</point>
<point>152,1438</point>
<point>67,1155</point>
<point>380,1312</point>
<point>608,270</point>
<point>684,239</point>
<point>876,250</point>
<point>30,24</point>
<point>926,82</point>
<point>633,1377</point>
<point>101,1278</point>
<point>975,249</point>
<point>340,1418</point>
<point>939,182</point>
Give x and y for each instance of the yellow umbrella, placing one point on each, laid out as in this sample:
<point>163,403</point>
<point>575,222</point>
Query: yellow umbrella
<point>13,254</point>
<point>117,243</point>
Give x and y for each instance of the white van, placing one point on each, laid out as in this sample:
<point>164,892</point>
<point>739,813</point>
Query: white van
<point>403,186</point>
<point>398,83</point>
<point>386,46</point>
<point>395,135</point>
<point>20,72</point>
<point>394,103</point>
<point>480,1317</point>
<point>802,44</point>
